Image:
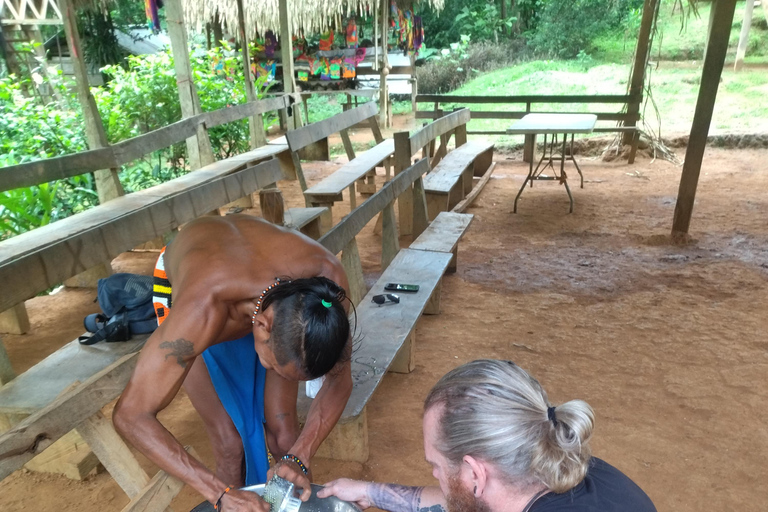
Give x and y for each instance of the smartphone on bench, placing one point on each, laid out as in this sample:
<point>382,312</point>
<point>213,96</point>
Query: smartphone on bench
<point>399,287</point>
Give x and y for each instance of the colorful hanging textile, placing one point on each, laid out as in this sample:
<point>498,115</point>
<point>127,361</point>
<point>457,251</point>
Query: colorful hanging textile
<point>359,55</point>
<point>326,40</point>
<point>299,47</point>
<point>351,34</point>
<point>325,69</point>
<point>270,44</point>
<point>302,69</point>
<point>348,68</point>
<point>153,18</point>
<point>265,69</point>
<point>336,68</point>
<point>315,66</point>
<point>418,33</point>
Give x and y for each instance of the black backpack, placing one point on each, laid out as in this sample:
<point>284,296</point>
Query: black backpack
<point>126,302</point>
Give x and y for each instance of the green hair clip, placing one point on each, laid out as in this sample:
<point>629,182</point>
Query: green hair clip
<point>326,303</point>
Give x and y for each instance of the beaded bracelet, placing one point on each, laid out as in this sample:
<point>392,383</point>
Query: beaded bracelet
<point>292,458</point>
<point>218,501</point>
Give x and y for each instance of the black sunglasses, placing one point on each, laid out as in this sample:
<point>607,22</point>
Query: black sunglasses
<point>383,299</point>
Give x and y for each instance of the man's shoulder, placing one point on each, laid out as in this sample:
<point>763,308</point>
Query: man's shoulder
<point>604,489</point>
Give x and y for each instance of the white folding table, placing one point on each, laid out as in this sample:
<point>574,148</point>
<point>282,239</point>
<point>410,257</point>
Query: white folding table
<point>553,124</point>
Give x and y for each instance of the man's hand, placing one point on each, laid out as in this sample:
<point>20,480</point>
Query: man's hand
<point>348,490</point>
<point>243,501</point>
<point>292,472</point>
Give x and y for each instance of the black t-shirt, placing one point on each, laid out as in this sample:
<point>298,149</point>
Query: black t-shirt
<point>604,489</point>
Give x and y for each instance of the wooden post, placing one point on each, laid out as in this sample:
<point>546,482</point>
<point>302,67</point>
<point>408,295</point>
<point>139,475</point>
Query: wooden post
<point>710,80</point>
<point>272,205</point>
<point>15,320</point>
<point>107,183</point>
<point>383,94</point>
<point>286,53</point>
<point>405,201</point>
<point>744,37</point>
<point>199,149</point>
<point>255,123</point>
<point>6,370</point>
<point>353,268</point>
<point>390,243</point>
<point>709,27</point>
<point>637,79</point>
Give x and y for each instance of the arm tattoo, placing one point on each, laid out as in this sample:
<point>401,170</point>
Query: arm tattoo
<point>180,349</point>
<point>398,498</point>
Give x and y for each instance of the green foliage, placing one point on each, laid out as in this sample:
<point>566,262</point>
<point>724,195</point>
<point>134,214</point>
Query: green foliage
<point>100,46</point>
<point>565,28</point>
<point>483,22</point>
<point>464,61</point>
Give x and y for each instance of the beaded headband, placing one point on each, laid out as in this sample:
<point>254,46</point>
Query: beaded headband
<point>261,299</point>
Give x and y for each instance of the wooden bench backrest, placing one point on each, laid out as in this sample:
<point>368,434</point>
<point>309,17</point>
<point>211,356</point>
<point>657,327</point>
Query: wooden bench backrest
<point>40,259</point>
<point>44,171</point>
<point>342,233</point>
<point>442,126</point>
<point>303,137</point>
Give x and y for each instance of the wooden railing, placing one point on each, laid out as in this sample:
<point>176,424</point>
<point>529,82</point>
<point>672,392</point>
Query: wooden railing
<point>67,166</point>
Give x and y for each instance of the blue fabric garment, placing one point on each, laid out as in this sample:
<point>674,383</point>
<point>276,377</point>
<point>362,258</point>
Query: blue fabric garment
<point>238,378</point>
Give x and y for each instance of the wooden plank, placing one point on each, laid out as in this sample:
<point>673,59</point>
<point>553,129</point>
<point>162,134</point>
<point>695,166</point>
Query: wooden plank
<point>50,169</point>
<point>238,112</point>
<point>42,384</point>
<point>343,232</point>
<point>305,136</point>
<point>137,147</point>
<point>405,360</point>
<point>348,149</point>
<point>39,430</point>
<point>535,98</point>
<point>396,70</point>
<point>444,233</point>
<point>444,177</point>
<point>159,493</point>
<point>467,201</point>
<point>385,329</point>
<point>433,130</point>
<point>44,257</point>
<point>702,117</point>
<point>403,152</point>
<point>113,453</point>
<point>490,114</point>
<point>420,212</point>
<point>297,218</point>
<point>352,171</point>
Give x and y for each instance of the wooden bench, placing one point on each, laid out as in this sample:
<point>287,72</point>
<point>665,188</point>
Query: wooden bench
<point>387,332</point>
<point>359,170</point>
<point>452,179</point>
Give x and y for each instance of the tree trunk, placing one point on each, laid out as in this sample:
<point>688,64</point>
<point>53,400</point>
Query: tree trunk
<point>744,37</point>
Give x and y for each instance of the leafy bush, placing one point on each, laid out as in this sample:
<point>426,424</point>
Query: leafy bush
<point>563,29</point>
<point>464,61</point>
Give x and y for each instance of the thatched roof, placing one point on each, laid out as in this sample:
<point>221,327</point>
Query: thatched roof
<point>309,16</point>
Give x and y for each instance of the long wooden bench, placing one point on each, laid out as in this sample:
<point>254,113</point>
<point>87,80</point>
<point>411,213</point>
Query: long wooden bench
<point>387,333</point>
<point>359,170</point>
<point>452,179</point>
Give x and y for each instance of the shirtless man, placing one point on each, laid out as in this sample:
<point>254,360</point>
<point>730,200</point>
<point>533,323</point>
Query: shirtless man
<point>238,284</point>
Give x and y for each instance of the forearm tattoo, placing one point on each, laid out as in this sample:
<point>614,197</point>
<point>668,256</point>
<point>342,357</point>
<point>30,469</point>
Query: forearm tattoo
<point>180,349</point>
<point>399,498</point>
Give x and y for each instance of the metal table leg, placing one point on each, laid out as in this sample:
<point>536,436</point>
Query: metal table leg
<point>529,177</point>
<point>573,159</point>
<point>563,176</point>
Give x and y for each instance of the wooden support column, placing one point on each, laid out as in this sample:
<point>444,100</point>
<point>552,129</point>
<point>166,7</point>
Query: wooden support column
<point>705,105</point>
<point>255,123</point>
<point>107,182</point>
<point>14,320</point>
<point>6,370</point>
<point>383,93</point>
<point>741,51</point>
<point>353,268</point>
<point>286,53</point>
<point>199,149</point>
<point>405,201</point>
<point>390,242</point>
<point>637,79</point>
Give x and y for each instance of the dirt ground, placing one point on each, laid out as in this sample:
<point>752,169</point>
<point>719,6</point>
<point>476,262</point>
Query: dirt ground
<point>667,343</point>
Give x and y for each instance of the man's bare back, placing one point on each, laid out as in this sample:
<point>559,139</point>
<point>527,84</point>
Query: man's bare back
<point>233,259</point>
